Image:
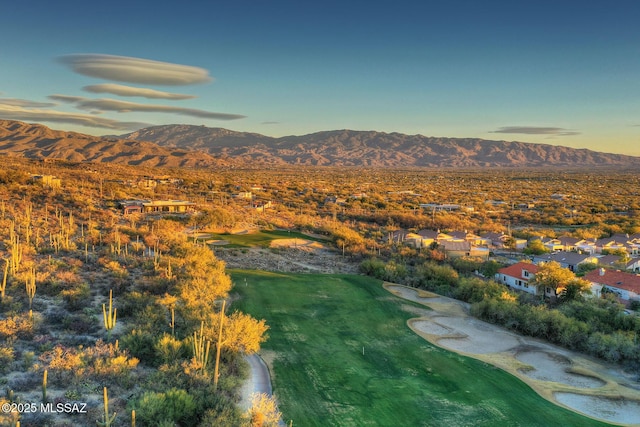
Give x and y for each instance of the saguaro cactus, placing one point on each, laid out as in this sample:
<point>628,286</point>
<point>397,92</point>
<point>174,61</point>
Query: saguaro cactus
<point>200,353</point>
<point>30,285</point>
<point>216,373</point>
<point>109,317</point>
<point>44,387</point>
<point>3,285</point>
<point>107,421</point>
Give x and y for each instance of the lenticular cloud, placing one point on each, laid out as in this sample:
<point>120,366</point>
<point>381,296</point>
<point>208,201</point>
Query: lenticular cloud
<point>135,70</point>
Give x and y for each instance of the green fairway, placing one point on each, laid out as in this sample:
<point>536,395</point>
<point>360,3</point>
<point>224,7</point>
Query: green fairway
<point>319,325</point>
<point>260,238</point>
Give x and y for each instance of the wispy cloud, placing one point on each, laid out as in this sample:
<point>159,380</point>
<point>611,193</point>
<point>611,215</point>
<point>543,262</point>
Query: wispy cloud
<point>122,90</point>
<point>105,104</point>
<point>66,98</point>
<point>536,130</point>
<point>25,103</point>
<point>270,123</point>
<point>12,112</point>
<point>134,70</point>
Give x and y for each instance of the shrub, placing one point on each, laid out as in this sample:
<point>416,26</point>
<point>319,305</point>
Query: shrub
<point>174,406</point>
<point>63,362</point>
<point>6,358</point>
<point>169,350</point>
<point>77,297</point>
<point>20,326</point>
<point>141,344</point>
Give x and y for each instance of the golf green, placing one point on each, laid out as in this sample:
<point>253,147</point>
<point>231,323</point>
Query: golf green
<point>344,356</point>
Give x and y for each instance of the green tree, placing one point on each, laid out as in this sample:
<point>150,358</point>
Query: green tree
<point>575,290</point>
<point>552,275</point>
<point>535,247</point>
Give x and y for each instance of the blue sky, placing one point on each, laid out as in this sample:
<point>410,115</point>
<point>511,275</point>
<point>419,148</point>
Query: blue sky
<point>562,72</point>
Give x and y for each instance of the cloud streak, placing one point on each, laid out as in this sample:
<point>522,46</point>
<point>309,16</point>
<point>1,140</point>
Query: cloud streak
<point>134,70</point>
<point>536,130</point>
<point>122,90</point>
<point>12,112</point>
<point>105,104</point>
<point>25,103</point>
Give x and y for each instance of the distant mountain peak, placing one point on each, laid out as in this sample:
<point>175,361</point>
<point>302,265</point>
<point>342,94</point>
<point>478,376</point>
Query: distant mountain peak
<point>201,146</point>
<point>344,147</point>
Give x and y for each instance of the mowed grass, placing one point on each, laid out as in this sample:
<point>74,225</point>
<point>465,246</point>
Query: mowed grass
<point>260,238</point>
<point>319,325</point>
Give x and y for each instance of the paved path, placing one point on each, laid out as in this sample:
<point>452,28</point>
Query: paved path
<point>259,380</point>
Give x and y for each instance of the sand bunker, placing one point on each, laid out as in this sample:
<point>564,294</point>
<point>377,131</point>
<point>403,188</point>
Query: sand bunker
<point>620,411</point>
<point>545,366</point>
<point>296,243</point>
<point>601,391</point>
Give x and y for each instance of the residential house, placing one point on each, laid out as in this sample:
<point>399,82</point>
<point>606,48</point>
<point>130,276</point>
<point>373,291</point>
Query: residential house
<point>569,243</point>
<point>494,239</point>
<point>609,244</point>
<point>429,237</point>
<point>457,249</point>
<point>625,285</point>
<point>586,246</point>
<point>552,245</point>
<point>610,260</point>
<point>465,236</point>
<point>570,260</point>
<point>405,237</point>
<point>618,262</point>
<point>156,206</point>
<point>440,207</point>
<point>517,277</point>
<point>633,265</point>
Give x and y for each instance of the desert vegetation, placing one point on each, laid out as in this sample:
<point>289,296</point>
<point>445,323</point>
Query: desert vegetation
<point>115,315</point>
<point>141,304</point>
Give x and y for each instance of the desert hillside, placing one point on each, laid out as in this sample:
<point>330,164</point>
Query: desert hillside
<point>376,149</point>
<point>200,146</point>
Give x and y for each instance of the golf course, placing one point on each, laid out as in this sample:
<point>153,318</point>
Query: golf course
<point>341,353</point>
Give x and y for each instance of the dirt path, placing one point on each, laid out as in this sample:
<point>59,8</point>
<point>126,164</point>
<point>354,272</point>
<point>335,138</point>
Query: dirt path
<point>569,379</point>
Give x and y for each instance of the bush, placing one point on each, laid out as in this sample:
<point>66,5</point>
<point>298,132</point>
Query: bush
<point>77,297</point>
<point>175,406</point>
<point>6,358</point>
<point>141,345</point>
<point>169,350</point>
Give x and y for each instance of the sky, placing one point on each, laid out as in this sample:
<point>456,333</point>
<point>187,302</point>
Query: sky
<point>560,72</point>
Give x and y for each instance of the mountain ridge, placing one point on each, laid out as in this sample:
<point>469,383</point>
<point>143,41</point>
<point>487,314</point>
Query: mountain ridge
<point>199,146</point>
<point>377,149</point>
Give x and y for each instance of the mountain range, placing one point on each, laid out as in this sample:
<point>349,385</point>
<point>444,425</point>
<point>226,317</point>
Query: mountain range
<point>200,146</point>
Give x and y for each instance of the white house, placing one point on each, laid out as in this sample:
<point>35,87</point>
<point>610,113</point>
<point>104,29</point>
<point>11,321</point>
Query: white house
<point>517,276</point>
<point>625,285</point>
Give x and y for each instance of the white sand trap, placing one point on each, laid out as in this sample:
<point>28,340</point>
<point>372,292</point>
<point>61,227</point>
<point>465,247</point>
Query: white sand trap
<point>479,337</point>
<point>621,411</point>
<point>431,328</point>
<point>553,367</point>
<point>449,325</point>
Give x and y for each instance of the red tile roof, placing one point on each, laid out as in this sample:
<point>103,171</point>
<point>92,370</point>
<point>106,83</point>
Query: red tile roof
<point>515,270</point>
<point>615,279</point>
